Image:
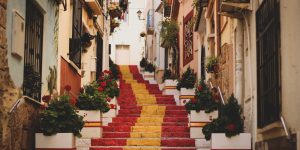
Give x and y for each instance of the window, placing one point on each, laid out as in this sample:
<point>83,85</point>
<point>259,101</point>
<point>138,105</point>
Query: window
<point>33,53</point>
<point>75,46</point>
<point>188,31</point>
<point>268,45</point>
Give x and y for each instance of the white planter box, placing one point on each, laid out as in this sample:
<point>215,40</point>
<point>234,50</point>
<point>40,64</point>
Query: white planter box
<point>148,76</point>
<point>57,141</point>
<point>92,123</point>
<point>110,114</point>
<point>186,95</point>
<point>170,87</point>
<point>198,120</point>
<point>202,116</point>
<point>90,115</point>
<point>241,141</point>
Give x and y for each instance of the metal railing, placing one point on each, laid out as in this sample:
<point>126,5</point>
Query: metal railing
<point>286,130</point>
<point>21,101</point>
<point>219,91</point>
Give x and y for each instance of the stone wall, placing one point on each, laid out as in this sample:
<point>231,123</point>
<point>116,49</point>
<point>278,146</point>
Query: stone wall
<point>16,129</point>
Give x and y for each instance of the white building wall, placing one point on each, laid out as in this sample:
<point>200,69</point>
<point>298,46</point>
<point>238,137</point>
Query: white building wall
<point>129,33</point>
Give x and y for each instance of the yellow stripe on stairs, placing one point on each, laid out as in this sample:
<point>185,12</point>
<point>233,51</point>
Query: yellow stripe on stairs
<point>147,129</point>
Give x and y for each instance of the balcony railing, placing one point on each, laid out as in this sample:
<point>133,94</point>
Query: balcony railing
<point>150,21</point>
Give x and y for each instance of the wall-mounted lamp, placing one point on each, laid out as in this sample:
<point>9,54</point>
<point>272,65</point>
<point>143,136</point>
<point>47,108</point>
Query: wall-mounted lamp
<point>139,13</point>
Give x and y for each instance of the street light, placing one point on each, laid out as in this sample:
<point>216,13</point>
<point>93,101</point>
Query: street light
<point>139,13</point>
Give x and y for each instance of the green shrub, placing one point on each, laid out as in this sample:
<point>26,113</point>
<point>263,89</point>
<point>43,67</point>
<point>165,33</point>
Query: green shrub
<point>187,80</point>
<point>150,68</point>
<point>143,62</point>
<point>229,121</point>
<point>91,99</point>
<point>169,75</point>
<point>60,117</point>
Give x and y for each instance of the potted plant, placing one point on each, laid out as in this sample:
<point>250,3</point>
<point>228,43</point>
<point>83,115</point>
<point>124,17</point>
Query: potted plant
<point>114,11</point>
<point>59,124</point>
<point>143,64</point>
<point>212,65</point>
<point>186,86</point>
<point>202,109</point>
<point>170,82</point>
<point>91,104</point>
<point>109,86</point>
<point>149,72</point>
<point>115,70</point>
<point>227,130</point>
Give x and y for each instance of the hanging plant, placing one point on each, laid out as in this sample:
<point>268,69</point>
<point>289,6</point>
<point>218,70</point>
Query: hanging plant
<point>212,65</point>
<point>169,32</point>
<point>142,34</point>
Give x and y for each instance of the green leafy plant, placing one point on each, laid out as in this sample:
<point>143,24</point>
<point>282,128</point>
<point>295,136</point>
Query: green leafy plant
<point>115,71</point>
<point>60,117</point>
<point>187,80</point>
<point>108,84</point>
<point>169,32</point>
<point>32,83</point>
<point>169,75</point>
<point>51,79</point>
<point>91,99</point>
<point>203,99</point>
<point>212,65</point>
<point>143,62</point>
<point>150,67</point>
<point>229,121</point>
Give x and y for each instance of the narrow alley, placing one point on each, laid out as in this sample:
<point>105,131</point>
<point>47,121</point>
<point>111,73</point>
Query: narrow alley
<point>149,75</point>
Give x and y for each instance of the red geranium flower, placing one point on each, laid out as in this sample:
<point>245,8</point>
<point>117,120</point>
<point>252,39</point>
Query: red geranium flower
<point>112,106</point>
<point>200,88</point>
<point>73,101</point>
<point>106,71</point>
<point>100,89</point>
<point>68,88</point>
<point>42,107</point>
<point>108,99</point>
<point>46,98</point>
<point>193,100</point>
<point>184,101</point>
<point>231,127</point>
<point>103,84</point>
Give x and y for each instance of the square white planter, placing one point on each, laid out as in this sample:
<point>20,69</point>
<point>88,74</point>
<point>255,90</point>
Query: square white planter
<point>170,87</point>
<point>57,141</point>
<point>92,123</point>
<point>241,141</point>
<point>198,120</point>
<point>110,114</point>
<point>186,95</point>
<point>148,76</point>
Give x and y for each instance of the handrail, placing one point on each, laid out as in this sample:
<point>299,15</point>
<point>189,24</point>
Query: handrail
<point>219,90</point>
<point>20,100</point>
<point>287,132</point>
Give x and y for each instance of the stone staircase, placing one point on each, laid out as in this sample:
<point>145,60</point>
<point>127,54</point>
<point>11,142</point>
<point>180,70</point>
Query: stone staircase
<point>147,120</point>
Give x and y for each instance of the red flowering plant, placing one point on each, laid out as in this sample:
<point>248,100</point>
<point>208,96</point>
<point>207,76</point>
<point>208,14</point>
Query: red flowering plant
<point>203,99</point>
<point>108,84</point>
<point>59,116</point>
<point>229,121</point>
<point>90,98</point>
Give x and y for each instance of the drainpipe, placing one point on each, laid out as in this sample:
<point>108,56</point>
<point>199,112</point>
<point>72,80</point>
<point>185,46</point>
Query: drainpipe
<point>239,62</point>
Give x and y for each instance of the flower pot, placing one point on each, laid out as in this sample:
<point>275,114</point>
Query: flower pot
<point>58,141</point>
<point>198,120</point>
<point>240,141</point>
<point>92,123</point>
<point>148,76</point>
<point>186,95</point>
<point>170,87</point>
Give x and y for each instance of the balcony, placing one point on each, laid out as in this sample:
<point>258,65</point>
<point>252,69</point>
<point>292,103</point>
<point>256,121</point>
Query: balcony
<point>233,8</point>
<point>150,21</point>
<point>95,6</point>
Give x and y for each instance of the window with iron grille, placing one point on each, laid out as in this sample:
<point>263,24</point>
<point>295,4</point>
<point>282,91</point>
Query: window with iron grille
<point>268,73</point>
<point>33,51</point>
<point>75,46</point>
